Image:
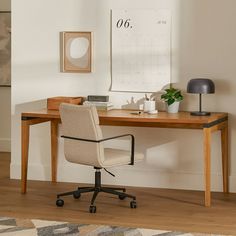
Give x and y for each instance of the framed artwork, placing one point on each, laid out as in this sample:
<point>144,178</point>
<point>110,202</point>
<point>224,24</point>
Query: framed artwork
<point>76,52</point>
<point>5,48</point>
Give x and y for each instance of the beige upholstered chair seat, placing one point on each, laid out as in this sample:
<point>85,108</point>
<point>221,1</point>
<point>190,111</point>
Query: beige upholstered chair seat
<point>84,144</point>
<point>116,157</point>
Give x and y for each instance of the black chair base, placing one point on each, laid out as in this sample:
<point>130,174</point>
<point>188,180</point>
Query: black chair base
<point>96,189</point>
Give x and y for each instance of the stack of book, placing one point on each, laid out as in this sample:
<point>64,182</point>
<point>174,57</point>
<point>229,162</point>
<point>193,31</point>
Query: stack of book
<point>104,106</point>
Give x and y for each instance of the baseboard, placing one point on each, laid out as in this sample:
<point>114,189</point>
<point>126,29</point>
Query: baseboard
<point>126,177</point>
<point>5,145</point>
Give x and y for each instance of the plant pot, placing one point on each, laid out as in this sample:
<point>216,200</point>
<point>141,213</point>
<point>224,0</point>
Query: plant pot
<point>173,108</point>
<point>149,106</point>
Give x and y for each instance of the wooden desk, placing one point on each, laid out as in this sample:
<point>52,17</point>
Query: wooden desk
<point>183,120</point>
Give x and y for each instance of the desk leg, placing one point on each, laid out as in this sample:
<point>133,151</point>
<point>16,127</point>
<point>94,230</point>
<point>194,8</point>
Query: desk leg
<point>207,165</point>
<point>224,149</point>
<point>54,146</point>
<point>24,154</point>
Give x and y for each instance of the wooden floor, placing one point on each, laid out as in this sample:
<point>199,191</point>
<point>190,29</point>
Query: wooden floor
<point>157,208</point>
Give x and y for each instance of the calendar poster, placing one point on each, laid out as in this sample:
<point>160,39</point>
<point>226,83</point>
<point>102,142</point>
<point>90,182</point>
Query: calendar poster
<point>140,50</point>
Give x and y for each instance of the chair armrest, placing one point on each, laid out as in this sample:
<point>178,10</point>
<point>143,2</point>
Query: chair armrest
<point>105,139</point>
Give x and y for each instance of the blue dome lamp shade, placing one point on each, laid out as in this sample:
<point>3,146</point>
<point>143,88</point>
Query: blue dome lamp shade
<point>200,86</point>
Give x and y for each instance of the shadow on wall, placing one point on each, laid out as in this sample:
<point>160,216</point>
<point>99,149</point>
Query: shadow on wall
<point>156,96</point>
<point>138,104</point>
<point>30,106</point>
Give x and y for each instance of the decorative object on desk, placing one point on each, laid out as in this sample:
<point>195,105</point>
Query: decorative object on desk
<point>149,106</point>
<point>172,97</point>
<point>102,106</point>
<point>76,51</point>
<point>5,48</point>
<point>200,86</point>
<point>54,102</point>
<point>98,98</point>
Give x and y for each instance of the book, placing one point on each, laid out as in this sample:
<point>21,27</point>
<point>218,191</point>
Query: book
<point>105,106</point>
<point>99,104</point>
<point>98,98</point>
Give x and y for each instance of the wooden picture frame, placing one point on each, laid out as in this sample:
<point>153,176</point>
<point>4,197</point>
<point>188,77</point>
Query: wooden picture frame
<point>5,48</point>
<point>76,52</point>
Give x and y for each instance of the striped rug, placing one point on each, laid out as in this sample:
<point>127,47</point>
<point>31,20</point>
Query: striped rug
<point>34,227</point>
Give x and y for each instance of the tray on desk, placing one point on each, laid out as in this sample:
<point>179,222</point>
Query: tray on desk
<point>54,102</point>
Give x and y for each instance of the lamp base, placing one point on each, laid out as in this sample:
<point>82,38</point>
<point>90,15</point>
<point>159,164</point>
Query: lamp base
<point>200,113</point>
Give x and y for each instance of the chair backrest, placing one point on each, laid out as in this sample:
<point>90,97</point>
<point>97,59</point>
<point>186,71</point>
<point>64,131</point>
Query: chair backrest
<point>81,121</point>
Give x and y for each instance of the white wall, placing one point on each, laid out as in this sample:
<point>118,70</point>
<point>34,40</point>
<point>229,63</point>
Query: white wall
<point>203,45</point>
<point>5,103</point>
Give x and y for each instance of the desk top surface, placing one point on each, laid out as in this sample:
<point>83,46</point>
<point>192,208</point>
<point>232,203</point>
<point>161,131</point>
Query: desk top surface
<point>125,117</point>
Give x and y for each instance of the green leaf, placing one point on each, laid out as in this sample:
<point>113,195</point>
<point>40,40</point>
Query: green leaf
<point>170,101</point>
<point>171,95</point>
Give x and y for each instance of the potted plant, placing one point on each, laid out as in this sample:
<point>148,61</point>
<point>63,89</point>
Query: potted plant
<point>172,97</point>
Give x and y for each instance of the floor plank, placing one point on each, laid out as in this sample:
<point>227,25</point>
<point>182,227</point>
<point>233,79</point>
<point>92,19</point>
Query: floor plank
<point>157,208</point>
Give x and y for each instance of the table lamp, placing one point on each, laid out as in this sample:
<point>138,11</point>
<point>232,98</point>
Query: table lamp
<point>200,86</point>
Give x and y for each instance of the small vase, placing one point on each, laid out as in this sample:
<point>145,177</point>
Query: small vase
<point>173,108</point>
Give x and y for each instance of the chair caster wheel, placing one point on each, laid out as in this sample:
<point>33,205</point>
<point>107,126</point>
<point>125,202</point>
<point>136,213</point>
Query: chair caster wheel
<point>59,202</point>
<point>133,204</point>
<point>122,197</point>
<point>76,194</point>
<point>92,209</point>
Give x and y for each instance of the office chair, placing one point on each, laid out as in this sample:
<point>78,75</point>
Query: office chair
<point>83,144</point>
